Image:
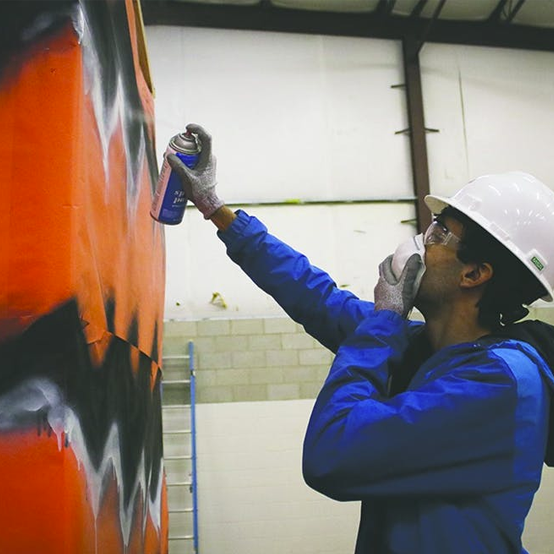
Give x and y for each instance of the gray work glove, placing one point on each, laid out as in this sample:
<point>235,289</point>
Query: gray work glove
<point>394,294</point>
<point>199,183</point>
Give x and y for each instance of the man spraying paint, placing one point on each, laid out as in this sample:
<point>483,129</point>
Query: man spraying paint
<point>440,428</point>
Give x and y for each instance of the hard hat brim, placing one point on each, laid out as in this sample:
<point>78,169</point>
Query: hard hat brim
<point>436,203</point>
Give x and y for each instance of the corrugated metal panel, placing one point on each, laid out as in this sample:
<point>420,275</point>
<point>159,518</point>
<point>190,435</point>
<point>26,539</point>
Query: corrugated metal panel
<point>537,13</point>
<point>356,6</point>
<point>503,23</point>
<point>467,10</point>
<point>221,2</point>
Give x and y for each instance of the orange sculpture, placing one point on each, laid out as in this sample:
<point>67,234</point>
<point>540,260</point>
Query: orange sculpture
<point>81,283</point>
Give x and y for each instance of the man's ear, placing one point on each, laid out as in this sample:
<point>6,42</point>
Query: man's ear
<point>476,274</point>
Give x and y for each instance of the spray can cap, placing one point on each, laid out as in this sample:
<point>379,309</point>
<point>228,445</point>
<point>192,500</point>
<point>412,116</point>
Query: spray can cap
<point>185,142</point>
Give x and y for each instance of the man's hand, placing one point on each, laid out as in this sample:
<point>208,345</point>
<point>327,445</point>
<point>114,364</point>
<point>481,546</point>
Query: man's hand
<point>199,183</point>
<point>394,294</point>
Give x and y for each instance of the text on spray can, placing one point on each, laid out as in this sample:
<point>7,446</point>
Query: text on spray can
<point>170,200</point>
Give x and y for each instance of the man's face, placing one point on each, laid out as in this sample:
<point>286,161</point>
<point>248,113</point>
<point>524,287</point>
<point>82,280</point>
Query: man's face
<point>441,280</point>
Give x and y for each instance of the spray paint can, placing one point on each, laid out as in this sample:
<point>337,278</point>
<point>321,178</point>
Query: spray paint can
<point>170,200</point>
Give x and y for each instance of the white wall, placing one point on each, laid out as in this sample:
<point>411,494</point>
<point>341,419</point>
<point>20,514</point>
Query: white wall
<point>198,267</point>
<point>314,118</point>
<point>293,117</point>
<point>494,110</point>
<point>251,490</point>
<point>302,117</point>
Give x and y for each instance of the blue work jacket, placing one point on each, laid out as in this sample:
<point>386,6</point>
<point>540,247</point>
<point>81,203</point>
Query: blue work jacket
<point>444,449</point>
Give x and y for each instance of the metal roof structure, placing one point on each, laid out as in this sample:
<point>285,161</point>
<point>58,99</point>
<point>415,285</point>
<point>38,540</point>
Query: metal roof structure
<point>518,24</point>
<point>525,24</point>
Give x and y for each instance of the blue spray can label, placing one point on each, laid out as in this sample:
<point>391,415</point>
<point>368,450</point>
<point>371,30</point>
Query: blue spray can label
<point>170,200</point>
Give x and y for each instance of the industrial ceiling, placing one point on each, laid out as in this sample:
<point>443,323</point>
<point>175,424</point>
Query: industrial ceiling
<point>525,24</point>
<point>519,24</point>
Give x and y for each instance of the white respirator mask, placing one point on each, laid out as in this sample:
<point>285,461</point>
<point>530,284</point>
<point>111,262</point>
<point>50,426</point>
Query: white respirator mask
<point>414,245</point>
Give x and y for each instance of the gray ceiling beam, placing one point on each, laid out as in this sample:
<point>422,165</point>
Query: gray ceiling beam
<point>431,23</point>
<point>390,6</point>
<point>385,7</point>
<point>269,18</point>
<point>496,14</point>
<point>513,13</point>
<point>418,8</point>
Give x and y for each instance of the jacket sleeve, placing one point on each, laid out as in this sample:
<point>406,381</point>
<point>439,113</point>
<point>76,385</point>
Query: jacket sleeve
<point>453,435</point>
<point>307,294</point>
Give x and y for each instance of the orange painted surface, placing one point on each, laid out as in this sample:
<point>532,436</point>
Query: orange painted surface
<point>70,229</point>
<point>48,510</point>
<point>39,186</point>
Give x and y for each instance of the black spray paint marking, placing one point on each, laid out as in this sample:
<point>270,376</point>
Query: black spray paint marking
<point>108,415</point>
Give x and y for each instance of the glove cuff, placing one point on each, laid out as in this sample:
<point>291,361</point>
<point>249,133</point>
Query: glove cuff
<point>208,205</point>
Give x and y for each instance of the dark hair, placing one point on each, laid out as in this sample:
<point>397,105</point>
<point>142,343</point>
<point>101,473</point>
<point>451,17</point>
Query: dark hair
<point>512,285</point>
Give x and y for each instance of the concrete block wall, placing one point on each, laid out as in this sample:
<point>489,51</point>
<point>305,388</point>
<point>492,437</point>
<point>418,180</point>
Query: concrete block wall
<point>245,360</point>
<point>258,359</point>
<point>256,381</point>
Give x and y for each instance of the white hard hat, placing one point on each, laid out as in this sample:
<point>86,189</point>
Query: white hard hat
<point>516,209</point>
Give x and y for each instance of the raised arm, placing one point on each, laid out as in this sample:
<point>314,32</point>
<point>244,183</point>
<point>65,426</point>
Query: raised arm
<point>306,293</point>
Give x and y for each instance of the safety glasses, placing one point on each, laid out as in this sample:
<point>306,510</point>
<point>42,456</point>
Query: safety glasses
<point>438,233</point>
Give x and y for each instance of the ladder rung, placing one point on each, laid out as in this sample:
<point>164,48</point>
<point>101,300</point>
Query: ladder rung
<point>176,357</point>
<point>181,538</point>
<point>177,432</point>
<point>181,511</point>
<point>189,457</point>
<point>176,382</point>
<point>180,484</point>
<point>175,406</point>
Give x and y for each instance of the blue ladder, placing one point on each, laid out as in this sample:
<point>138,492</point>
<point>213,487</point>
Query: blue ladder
<point>192,484</point>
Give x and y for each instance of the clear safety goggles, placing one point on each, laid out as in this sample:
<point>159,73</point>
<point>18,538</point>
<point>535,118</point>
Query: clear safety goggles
<point>438,233</point>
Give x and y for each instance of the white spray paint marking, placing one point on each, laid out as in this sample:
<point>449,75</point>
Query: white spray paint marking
<point>108,116</point>
<point>105,115</point>
<point>22,408</point>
